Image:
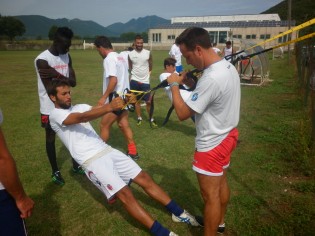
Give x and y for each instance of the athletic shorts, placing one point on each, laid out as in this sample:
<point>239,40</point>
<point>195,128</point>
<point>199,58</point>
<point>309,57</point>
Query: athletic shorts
<point>111,172</point>
<point>214,161</point>
<point>117,113</point>
<point>135,85</point>
<point>45,121</point>
<point>179,69</point>
<point>10,221</point>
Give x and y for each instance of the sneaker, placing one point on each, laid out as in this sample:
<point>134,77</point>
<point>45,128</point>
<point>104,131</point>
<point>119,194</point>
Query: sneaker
<point>187,218</point>
<point>133,156</point>
<point>221,228</point>
<point>153,124</point>
<point>78,170</point>
<point>57,178</point>
<point>139,122</point>
<point>173,234</point>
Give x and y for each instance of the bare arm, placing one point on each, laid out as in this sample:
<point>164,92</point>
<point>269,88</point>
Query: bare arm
<point>150,62</point>
<point>183,111</point>
<point>11,181</point>
<point>95,112</point>
<point>110,88</point>
<point>47,73</point>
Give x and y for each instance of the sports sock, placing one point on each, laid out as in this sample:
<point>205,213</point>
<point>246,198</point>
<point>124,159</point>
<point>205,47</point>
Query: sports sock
<point>158,230</point>
<point>51,153</point>
<point>174,208</point>
<point>139,118</point>
<point>132,149</point>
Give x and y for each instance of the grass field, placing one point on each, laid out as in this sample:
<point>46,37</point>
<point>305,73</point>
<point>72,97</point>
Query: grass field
<point>271,177</point>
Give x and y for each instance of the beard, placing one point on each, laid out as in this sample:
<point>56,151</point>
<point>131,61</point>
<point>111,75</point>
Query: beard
<point>64,105</point>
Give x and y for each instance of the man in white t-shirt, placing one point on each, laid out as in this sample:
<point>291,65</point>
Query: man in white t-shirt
<point>54,63</point>
<point>110,170</point>
<point>217,50</point>
<point>115,79</point>
<point>177,55</point>
<point>15,205</point>
<point>140,66</point>
<point>216,104</point>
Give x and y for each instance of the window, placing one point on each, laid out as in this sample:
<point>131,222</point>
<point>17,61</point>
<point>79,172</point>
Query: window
<point>251,36</point>
<point>265,36</point>
<point>213,36</point>
<point>171,36</point>
<point>222,36</point>
<point>237,36</point>
<point>156,37</point>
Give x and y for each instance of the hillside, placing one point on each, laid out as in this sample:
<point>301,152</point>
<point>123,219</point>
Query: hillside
<point>38,26</point>
<point>302,10</point>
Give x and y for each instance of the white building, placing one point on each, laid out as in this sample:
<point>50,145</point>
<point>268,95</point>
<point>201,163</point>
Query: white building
<point>255,28</point>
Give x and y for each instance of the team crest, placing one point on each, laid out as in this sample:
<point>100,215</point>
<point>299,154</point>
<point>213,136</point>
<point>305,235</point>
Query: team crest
<point>109,187</point>
<point>194,97</point>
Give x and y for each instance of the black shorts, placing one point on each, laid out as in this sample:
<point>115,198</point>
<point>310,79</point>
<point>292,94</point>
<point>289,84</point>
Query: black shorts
<point>10,221</point>
<point>110,98</point>
<point>45,121</point>
<point>135,85</point>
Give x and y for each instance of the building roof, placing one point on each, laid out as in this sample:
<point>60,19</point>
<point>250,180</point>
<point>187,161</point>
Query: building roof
<point>227,18</point>
<point>225,24</point>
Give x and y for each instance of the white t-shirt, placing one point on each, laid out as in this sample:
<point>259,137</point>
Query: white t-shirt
<point>227,52</point>
<point>216,101</point>
<point>80,139</point>
<point>125,54</point>
<point>184,93</point>
<point>59,63</point>
<point>140,66</point>
<point>176,54</point>
<point>116,65</point>
<point>216,50</point>
<point>1,120</point>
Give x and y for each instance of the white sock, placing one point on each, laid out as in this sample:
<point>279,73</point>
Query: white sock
<point>222,225</point>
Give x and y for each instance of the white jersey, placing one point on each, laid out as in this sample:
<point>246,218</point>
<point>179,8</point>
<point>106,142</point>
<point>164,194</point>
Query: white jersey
<point>216,50</point>
<point>80,139</point>
<point>1,120</point>
<point>216,101</point>
<point>184,93</point>
<point>176,54</point>
<point>227,52</point>
<point>125,54</point>
<point>140,66</point>
<point>59,63</point>
<point>116,65</point>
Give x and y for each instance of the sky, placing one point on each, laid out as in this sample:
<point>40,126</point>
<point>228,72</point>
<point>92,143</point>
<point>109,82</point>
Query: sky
<point>106,12</point>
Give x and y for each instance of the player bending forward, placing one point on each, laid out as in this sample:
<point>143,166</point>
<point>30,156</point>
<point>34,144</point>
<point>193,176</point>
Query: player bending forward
<point>109,169</point>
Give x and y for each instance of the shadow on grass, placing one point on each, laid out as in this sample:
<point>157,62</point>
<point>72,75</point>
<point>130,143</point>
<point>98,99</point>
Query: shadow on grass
<point>45,219</point>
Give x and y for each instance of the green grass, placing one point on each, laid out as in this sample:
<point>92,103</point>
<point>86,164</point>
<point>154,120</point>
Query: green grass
<point>271,175</point>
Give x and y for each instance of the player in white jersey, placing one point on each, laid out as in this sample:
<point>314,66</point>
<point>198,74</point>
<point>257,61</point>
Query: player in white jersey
<point>54,63</point>
<point>140,66</point>
<point>115,79</point>
<point>228,51</point>
<point>216,105</point>
<point>15,205</point>
<point>177,55</point>
<point>110,170</point>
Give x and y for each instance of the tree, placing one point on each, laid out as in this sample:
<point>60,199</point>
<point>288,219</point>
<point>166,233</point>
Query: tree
<point>11,27</point>
<point>52,32</point>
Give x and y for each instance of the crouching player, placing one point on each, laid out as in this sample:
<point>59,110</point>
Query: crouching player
<point>109,169</point>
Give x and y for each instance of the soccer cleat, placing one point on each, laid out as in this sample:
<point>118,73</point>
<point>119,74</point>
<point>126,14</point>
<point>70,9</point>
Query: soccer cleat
<point>133,156</point>
<point>57,178</point>
<point>173,234</point>
<point>221,228</point>
<point>78,170</point>
<point>139,122</point>
<point>153,124</point>
<point>187,218</point>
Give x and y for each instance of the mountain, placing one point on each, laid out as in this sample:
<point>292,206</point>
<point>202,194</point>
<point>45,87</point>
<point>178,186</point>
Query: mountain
<point>142,24</point>
<point>39,26</point>
<point>301,10</point>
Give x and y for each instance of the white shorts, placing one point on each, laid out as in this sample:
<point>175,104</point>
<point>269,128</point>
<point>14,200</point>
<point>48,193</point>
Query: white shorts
<point>112,172</point>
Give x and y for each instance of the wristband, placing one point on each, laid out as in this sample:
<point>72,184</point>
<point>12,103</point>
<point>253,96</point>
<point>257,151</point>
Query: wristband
<point>174,84</point>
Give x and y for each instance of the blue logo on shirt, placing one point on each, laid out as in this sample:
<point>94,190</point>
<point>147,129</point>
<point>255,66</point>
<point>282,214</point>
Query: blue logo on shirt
<point>194,97</point>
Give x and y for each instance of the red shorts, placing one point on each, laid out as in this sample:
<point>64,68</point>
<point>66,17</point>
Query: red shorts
<point>214,161</point>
